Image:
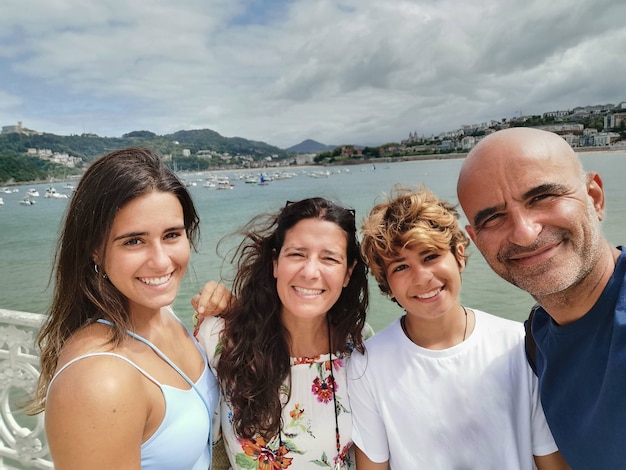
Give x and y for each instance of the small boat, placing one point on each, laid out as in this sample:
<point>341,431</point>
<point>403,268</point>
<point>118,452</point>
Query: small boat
<point>320,174</point>
<point>262,180</point>
<point>224,184</point>
<point>27,201</point>
<point>282,175</point>
<point>6,190</point>
<point>32,192</point>
<point>1,202</point>
<point>53,193</point>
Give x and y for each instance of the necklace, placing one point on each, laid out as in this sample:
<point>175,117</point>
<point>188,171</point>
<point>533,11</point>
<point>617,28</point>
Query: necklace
<point>465,330</point>
<point>332,384</point>
<point>403,325</point>
<point>337,465</point>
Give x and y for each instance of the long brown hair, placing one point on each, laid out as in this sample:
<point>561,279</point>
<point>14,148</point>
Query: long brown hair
<point>254,361</point>
<point>82,293</point>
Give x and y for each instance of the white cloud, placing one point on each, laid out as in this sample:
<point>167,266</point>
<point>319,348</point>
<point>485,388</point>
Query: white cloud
<point>281,71</point>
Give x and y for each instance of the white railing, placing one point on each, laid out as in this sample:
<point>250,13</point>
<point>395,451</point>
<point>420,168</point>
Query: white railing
<point>22,438</point>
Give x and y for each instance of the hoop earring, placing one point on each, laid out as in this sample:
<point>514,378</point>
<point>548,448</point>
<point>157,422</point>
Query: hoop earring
<point>96,269</point>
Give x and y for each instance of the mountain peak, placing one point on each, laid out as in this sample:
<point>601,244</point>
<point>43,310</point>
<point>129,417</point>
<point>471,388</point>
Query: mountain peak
<point>311,146</point>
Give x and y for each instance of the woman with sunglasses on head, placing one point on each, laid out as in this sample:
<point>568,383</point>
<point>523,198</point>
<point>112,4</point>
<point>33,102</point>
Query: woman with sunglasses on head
<point>280,350</point>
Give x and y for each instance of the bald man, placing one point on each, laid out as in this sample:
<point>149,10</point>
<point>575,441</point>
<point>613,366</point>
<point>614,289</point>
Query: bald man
<point>535,215</point>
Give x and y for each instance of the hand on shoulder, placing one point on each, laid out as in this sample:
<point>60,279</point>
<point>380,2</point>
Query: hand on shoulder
<point>214,299</point>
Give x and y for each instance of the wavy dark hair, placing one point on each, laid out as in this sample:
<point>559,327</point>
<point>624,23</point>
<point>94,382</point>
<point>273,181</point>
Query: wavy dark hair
<point>81,294</point>
<point>255,360</point>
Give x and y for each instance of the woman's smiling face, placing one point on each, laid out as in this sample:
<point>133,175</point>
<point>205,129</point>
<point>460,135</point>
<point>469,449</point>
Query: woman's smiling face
<point>148,251</point>
<point>311,268</point>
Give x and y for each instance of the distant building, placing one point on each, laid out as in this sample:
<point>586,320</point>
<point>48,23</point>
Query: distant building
<point>412,140</point>
<point>64,159</point>
<point>563,128</point>
<point>589,111</point>
<point>451,135</point>
<point>604,139</point>
<point>468,142</point>
<point>478,128</point>
<point>305,158</point>
<point>590,131</point>
<point>205,154</point>
<point>614,121</point>
<point>351,151</point>
<point>19,129</point>
<point>446,145</point>
<point>556,114</point>
<point>572,140</point>
<point>54,157</point>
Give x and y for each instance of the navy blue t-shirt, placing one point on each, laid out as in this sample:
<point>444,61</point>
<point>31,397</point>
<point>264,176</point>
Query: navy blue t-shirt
<point>582,378</point>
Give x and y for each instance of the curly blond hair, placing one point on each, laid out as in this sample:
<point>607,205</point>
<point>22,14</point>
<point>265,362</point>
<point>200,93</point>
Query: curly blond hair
<point>409,217</point>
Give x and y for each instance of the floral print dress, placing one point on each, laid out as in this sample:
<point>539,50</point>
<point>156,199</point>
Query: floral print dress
<point>308,438</point>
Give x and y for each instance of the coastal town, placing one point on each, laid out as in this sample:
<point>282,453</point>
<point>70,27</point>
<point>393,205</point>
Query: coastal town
<point>594,127</point>
<point>584,127</point>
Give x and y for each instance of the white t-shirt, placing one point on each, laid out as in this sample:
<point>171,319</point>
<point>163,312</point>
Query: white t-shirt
<point>475,405</point>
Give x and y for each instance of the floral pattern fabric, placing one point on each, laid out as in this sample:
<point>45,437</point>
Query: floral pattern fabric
<point>308,439</point>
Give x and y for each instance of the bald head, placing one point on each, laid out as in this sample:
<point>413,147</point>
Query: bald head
<point>514,149</point>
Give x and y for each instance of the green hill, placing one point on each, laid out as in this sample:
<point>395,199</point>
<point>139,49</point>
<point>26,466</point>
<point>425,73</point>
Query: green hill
<point>16,166</point>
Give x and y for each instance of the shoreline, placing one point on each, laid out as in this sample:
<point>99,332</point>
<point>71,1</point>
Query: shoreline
<point>368,161</point>
<point>453,156</point>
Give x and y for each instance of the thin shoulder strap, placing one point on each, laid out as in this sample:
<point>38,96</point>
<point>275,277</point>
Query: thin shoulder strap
<point>189,333</point>
<point>159,353</point>
<point>102,353</point>
<point>530,345</point>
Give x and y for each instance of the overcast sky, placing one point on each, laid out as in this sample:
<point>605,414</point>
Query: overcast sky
<point>364,72</point>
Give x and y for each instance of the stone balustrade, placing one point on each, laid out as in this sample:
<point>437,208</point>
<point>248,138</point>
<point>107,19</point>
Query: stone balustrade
<point>22,438</point>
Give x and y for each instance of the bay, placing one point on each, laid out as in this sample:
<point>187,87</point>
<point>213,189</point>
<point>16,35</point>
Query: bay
<point>28,233</point>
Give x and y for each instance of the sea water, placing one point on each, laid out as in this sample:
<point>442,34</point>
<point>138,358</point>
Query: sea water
<point>28,233</point>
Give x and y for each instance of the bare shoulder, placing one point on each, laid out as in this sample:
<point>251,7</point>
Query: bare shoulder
<point>94,380</point>
<point>88,339</point>
<point>96,411</point>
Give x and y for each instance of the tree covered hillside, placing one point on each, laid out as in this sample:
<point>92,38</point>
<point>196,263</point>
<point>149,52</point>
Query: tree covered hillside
<point>16,166</point>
